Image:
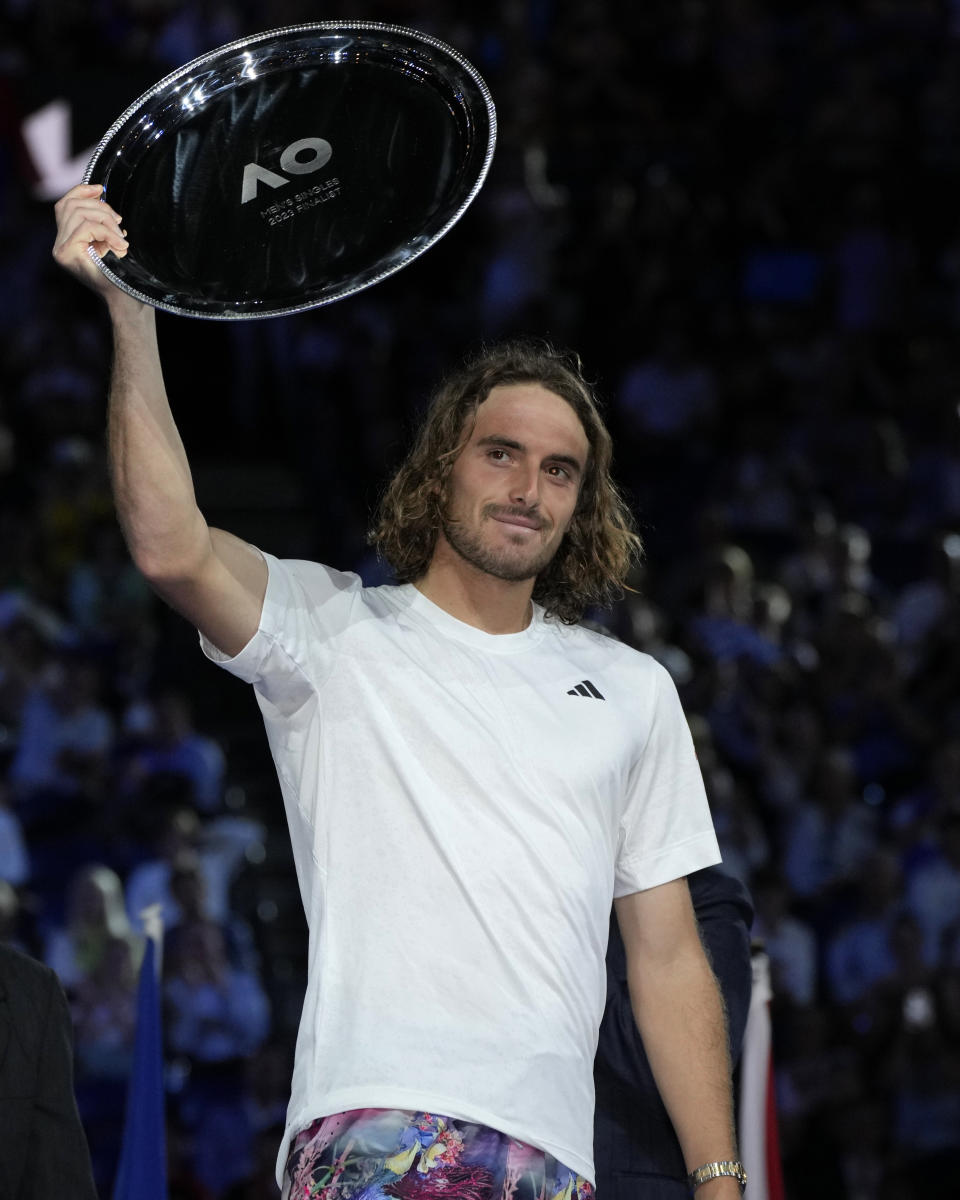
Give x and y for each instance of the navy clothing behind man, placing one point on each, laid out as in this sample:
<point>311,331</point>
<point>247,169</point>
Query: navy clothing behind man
<point>634,1143</point>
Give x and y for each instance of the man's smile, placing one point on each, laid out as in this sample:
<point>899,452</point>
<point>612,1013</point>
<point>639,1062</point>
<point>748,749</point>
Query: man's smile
<point>515,517</point>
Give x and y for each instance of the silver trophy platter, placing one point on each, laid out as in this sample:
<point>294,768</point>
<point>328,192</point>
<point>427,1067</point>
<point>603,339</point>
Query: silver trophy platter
<point>293,168</point>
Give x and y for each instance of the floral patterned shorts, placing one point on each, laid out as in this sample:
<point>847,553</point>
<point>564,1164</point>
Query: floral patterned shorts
<point>389,1154</point>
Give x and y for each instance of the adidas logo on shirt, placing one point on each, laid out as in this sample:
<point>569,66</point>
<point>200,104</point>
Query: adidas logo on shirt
<point>586,688</point>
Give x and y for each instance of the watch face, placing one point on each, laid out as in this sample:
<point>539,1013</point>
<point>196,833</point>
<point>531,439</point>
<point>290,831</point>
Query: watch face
<point>293,168</point>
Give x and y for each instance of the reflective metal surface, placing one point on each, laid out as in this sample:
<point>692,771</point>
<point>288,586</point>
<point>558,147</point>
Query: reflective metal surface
<point>291,169</point>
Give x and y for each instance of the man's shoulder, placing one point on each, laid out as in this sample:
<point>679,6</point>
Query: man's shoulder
<point>320,577</point>
<point>312,574</point>
<point>331,596</point>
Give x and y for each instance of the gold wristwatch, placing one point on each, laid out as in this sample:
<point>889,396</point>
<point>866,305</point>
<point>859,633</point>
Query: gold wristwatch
<point>714,1170</point>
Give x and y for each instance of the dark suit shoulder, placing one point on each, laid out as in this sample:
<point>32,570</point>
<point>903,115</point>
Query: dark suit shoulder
<point>26,970</point>
<point>30,988</point>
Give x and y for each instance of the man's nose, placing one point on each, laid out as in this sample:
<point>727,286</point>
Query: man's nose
<point>525,487</point>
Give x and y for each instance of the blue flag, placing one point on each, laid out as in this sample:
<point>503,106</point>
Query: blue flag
<point>142,1169</point>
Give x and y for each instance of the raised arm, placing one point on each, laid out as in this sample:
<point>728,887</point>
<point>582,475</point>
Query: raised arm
<point>679,1011</point>
<point>214,579</point>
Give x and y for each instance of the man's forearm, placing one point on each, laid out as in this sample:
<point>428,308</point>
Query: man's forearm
<point>679,1012</point>
<point>152,484</point>
<point>215,580</point>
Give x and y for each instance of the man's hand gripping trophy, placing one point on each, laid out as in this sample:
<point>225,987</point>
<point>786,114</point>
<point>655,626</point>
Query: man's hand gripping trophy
<point>84,220</point>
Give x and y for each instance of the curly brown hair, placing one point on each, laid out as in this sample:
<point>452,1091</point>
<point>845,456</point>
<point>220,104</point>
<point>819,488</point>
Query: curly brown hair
<point>601,544</point>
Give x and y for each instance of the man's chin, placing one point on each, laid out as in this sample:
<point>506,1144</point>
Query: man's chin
<point>515,562</point>
<point>517,570</point>
<point>503,567</point>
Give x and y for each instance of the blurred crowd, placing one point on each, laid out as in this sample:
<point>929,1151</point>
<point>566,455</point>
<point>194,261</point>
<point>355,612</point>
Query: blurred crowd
<point>742,215</point>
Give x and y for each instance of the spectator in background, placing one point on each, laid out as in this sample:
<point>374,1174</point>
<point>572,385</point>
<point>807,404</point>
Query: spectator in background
<point>924,602</point>
<point>772,609</point>
<point>216,1013</point>
<point>670,395</point>
<point>185,32</point>
<point>911,974</point>
<point>188,889</point>
<point>791,751</point>
<point>764,494</point>
<point>171,745</point>
<point>95,920</point>
<point>216,1016</point>
<point>860,955</point>
<point>922,1073</point>
<point>933,890</point>
<point>268,1070</point>
<point>809,572</point>
<point>105,1012</point>
<point>725,631</point>
<point>648,629</point>
<point>74,497</point>
<point>869,266</point>
<point>828,839</point>
<point>516,273</point>
<point>914,819</point>
<point>106,594</point>
<point>26,634</point>
<point>935,474</point>
<point>933,683</point>
<point>221,846</point>
<point>740,834</point>
<point>948,983</point>
<point>14,855</point>
<point>66,736</point>
<point>816,1072</point>
<point>10,917</point>
<point>790,943</point>
<point>860,1134</point>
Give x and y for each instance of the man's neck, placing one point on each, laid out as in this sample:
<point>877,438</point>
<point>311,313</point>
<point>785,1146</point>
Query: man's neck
<point>476,598</point>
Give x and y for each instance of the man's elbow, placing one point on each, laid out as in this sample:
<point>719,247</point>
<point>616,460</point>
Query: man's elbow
<point>171,560</point>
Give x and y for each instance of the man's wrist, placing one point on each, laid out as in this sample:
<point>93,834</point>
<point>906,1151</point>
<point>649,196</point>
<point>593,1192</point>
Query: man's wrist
<point>724,1187</point>
<point>723,1177</point>
<point>122,306</point>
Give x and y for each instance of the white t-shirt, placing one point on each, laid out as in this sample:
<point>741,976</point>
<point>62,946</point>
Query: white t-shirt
<point>463,807</point>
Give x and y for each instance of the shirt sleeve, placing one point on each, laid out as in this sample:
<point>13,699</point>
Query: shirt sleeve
<point>666,830</point>
<point>305,609</point>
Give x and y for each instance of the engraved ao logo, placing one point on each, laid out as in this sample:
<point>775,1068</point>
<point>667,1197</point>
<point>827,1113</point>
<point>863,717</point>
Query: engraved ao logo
<point>300,158</point>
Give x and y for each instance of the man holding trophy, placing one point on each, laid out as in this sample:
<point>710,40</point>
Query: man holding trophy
<point>470,776</point>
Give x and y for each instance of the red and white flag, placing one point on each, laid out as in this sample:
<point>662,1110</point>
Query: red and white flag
<point>759,1141</point>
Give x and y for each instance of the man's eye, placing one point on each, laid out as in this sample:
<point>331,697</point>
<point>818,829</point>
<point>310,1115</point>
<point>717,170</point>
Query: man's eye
<point>558,472</point>
<point>498,455</point>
